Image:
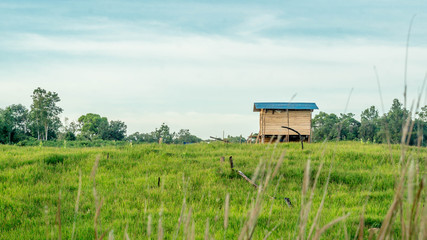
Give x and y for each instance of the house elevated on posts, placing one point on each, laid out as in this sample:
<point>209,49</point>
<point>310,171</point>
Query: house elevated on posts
<point>274,115</point>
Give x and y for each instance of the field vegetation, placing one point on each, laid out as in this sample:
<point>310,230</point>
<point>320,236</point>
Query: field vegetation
<point>185,191</point>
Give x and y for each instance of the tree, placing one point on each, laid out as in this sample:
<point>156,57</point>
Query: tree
<point>394,121</point>
<point>164,133</point>
<point>369,120</point>
<point>184,136</point>
<point>68,131</point>
<point>348,126</point>
<point>44,112</point>
<point>420,127</point>
<point>93,126</point>
<point>325,126</point>
<point>117,130</point>
<point>3,132</point>
<point>141,137</point>
<point>15,119</point>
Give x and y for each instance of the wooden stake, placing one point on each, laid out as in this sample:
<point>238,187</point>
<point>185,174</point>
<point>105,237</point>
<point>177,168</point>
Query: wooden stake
<point>247,179</point>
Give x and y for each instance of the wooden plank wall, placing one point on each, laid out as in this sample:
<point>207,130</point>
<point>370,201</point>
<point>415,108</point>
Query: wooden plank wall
<point>271,122</point>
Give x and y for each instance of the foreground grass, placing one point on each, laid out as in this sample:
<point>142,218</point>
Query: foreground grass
<point>31,179</point>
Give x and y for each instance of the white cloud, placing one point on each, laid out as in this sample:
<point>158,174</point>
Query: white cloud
<point>204,83</point>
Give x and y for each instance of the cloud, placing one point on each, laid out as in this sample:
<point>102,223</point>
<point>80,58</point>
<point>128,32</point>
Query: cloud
<point>199,74</point>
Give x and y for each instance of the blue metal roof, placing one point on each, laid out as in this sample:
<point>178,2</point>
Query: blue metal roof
<point>284,105</point>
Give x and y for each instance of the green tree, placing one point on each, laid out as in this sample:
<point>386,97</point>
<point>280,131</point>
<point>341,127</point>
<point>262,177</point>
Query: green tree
<point>3,130</point>
<point>420,127</point>
<point>348,126</point>
<point>141,138</point>
<point>93,126</point>
<point>164,133</point>
<point>44,113</point>
<point>117,130</point>
<point>325,126</point>
<point>15,119</point>
<point>68,131</point>
<point>393,121</point>
<point>369,120</point>
<point>184,136</point>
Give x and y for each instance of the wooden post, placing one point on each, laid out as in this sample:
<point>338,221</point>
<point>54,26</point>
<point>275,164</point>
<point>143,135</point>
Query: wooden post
<point>231,162</point>
<point>247,179</point>
<point>160,140</point>
<point>309,137</point>
<point>221,159</point>
<point>263,111</point>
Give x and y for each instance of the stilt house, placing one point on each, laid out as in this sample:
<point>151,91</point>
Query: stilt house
<point>274,115</point>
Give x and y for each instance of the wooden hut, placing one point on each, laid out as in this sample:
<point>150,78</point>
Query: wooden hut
<point>274,115</point>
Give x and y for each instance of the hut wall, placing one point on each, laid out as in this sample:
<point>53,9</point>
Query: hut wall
<point>273,120</point>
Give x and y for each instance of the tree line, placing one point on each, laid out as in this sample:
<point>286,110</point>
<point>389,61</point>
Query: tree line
<point>41,123</point>
<point>372,127</point>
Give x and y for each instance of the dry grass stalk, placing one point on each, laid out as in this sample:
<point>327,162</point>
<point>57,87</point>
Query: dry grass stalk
<point>372,232</point>
<point>46,214</point>
<point>327,226</point>
<point>303,214</point>
<point>310,201</point>
<point>149,225</point>
<point>270,232</point>
<point>207,230</point>
<point>76,208</point>
<point>160,233</point>
<point>126,236</point>
<point>226,212</point>
<point>193,231</point>
<point>345,231</point>
<point>360,229</point>
<point>160,230</point>
<point>111,235</point>
<point>188,230</point>
<point>272,200</point>
<point>387,132</point>
<point>251,222</point>
<point>386,224</point>
<point>415,212</point>
<point>397,204</point>
<point>180,219</point>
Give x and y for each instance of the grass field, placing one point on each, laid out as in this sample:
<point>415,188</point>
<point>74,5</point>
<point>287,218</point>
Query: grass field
<point>193,189</point>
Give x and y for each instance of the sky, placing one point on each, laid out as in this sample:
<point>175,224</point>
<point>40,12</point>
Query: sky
<point>200,65</point>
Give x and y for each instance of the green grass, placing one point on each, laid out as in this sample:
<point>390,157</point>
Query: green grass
<point>32,177</point>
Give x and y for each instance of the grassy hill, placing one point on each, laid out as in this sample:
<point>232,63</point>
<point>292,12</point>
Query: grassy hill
<point>39,188</point>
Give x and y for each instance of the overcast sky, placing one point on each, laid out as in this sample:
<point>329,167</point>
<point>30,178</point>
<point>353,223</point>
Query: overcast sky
<point>201,65</point>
